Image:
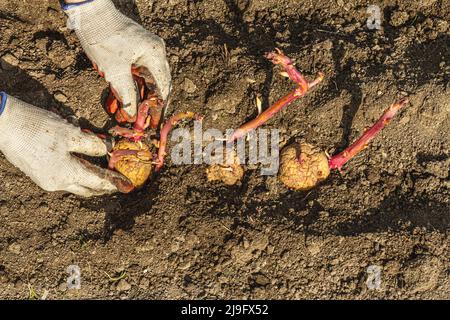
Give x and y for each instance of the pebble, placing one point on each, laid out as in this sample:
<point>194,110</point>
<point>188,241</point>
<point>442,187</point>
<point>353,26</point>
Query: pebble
<point>405,120</point>
<point>41,44</point>
<point>60,97</point>
<point>144,284</point>
<point>15,248</point>
<point>9,61</point>
<point>62,286</point>
<point>327,44</point>
<point>189,86</point>
<point>123,285</point>
<point>262,280</point>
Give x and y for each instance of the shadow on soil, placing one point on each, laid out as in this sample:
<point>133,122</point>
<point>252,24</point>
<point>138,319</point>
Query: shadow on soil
<point>397,212</point>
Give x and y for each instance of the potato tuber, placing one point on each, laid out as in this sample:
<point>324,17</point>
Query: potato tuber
<point>304,166</point>
<point>133,160</point>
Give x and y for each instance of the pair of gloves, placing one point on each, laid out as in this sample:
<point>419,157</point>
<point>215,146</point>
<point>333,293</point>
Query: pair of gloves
<point>42,144</point>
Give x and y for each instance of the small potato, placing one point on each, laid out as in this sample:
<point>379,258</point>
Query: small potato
<point>303,166</point>
<point>138,167</point>
<point>229,174</point>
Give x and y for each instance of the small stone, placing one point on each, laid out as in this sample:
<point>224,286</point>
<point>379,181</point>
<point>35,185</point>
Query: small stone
<point>15,248</point>
<point>324,214</point>
<point>189,86</point>
<point>60,97</point>
<point>327,44</point>
<point>123,285</point>
<point>432,35</point>
<point>262,280</point>
<point>62,286</point>
<point>67,62</point>
<point>60,56</point>
<point>36,74</point>
<point>376,47</point>
<point>50,77</point>
<point>314,247</point>
<point>9,61</point>
<point>405,120</point>
<point>246,244</point>
<point>373,177</point>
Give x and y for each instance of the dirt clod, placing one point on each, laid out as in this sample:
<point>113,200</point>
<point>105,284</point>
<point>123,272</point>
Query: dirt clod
<point>123,285</point>
<point>9,61</point>
<point>399,18</point>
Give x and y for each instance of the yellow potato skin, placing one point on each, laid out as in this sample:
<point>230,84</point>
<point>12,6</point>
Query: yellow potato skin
<point>229,174</point>
<point>135,168</point>
<point>303,166</point>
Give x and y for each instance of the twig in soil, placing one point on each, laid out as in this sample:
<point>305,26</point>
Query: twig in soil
<point>228,229</point>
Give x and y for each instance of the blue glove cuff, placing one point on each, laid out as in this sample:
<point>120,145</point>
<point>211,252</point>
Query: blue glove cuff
<point>3,98</point>
<point>67,6</point>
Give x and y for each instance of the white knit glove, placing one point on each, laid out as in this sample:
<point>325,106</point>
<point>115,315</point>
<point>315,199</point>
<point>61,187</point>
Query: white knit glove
<point>40,144</point>
<point>114,43</point>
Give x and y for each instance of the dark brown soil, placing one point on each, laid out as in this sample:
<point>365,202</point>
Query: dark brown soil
<point>182,237</point>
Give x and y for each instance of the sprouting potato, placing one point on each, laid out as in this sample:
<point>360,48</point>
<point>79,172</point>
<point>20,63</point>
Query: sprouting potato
<point>133,160</point>
<point>303,166</point>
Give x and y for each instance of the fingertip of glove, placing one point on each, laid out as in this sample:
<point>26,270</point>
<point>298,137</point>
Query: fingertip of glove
<point>115,179</point>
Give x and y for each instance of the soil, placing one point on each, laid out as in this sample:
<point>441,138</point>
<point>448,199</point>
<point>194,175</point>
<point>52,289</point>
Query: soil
<point>183,237</point>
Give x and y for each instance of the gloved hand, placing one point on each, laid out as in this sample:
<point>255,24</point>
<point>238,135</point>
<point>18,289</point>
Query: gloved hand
<point>114,43</point>
<point>40,144</point>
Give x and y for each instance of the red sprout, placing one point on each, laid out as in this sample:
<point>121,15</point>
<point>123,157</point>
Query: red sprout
<point>165,132</point>
<point>277,57</point>
<point>337,161</point>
